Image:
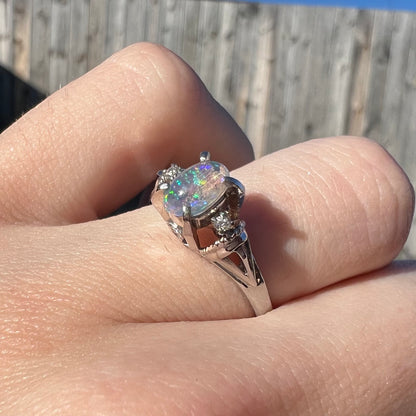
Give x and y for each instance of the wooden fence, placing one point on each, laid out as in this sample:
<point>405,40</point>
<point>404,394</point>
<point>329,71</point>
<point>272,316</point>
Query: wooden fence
<point>286,73</point>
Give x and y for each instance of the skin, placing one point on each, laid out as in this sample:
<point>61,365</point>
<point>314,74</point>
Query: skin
<point>113,316</point>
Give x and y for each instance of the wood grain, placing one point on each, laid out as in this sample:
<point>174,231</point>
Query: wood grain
<point>78,45</point>
<point>41,35</point>
<point>6,38</point>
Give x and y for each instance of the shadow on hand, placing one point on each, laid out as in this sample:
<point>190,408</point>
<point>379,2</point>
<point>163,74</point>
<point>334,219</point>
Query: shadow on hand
<point>17,97</point>
<point>271,232</point>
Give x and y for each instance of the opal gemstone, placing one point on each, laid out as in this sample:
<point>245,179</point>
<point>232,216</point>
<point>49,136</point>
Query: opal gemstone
<point>200,186</point>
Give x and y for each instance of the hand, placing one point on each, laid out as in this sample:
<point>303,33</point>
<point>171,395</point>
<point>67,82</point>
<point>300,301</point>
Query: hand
<point>91,310</point>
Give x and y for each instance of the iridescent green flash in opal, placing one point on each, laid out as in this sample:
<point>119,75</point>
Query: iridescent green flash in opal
<point>200,186</point>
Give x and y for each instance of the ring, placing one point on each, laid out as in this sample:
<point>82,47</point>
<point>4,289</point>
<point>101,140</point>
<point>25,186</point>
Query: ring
<point>201,205</point>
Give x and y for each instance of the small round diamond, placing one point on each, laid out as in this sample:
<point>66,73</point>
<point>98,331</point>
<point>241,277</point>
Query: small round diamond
<point>169,174</point>
<point>199,186</point>
<point>222,223</point>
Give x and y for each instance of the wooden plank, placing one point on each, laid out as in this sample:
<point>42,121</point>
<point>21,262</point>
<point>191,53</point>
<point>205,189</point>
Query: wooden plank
<point>360,72</point>
<point>153,24</point>
<point>200,37</point>
<point>116,23</point>
<point>22,19</point>
<point>395,85</point>
<point>41,35</point>
<point>262,80</point>
<point>4,33</point>
<point>78,45</point>
<point>307,78</point>
<point>262,57</point>
<point>136,21</point>
<point>378,64</point>
<point>327,85</point>
<point>301,35</point>
<point>97,27</point>
<point>59,50</point>
<point>225,42</point>
<point>243,60</point>
<point>403,145</point>
<point>6,23</point>
<point>172,25</point>
<point>190,51</point>
<point>278,107</point>
<point>207,40</point>
<point>337,80</point>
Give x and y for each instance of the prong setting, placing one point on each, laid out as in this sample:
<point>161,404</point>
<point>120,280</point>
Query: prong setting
<point>204,156</point>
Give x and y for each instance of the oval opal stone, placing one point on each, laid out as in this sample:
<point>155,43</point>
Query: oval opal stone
<point>200,186</point>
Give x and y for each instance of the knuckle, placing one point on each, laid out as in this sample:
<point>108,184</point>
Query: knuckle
<point>383,188</point>
<point>168,77</point>
<point>395,192</point>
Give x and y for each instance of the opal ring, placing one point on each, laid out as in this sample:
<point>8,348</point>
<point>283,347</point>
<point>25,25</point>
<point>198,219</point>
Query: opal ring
<point>201,205</point>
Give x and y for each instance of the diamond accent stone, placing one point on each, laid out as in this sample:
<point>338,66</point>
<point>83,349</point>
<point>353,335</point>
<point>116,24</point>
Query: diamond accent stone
<point>222,223</point>
<point>169,174</point>
<point>199,186</point>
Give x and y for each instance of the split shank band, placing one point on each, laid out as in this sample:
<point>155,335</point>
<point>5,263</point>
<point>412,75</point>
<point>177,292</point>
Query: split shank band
<point>201,205</point>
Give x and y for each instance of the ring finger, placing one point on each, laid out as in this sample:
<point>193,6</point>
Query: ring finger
<point>318,213</point>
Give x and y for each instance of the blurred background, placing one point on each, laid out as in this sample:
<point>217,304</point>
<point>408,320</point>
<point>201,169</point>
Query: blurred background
<point>286,73</point>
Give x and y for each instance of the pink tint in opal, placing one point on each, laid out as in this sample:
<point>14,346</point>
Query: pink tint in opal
<point>200,186</point>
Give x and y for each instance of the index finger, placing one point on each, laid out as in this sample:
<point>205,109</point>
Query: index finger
<point>97,142</point>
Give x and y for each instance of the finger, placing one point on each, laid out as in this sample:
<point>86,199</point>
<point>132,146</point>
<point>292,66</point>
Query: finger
<point>98,141</point>
<point>348,350</point>
<point>308,231</point>
<point>324,211</point>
